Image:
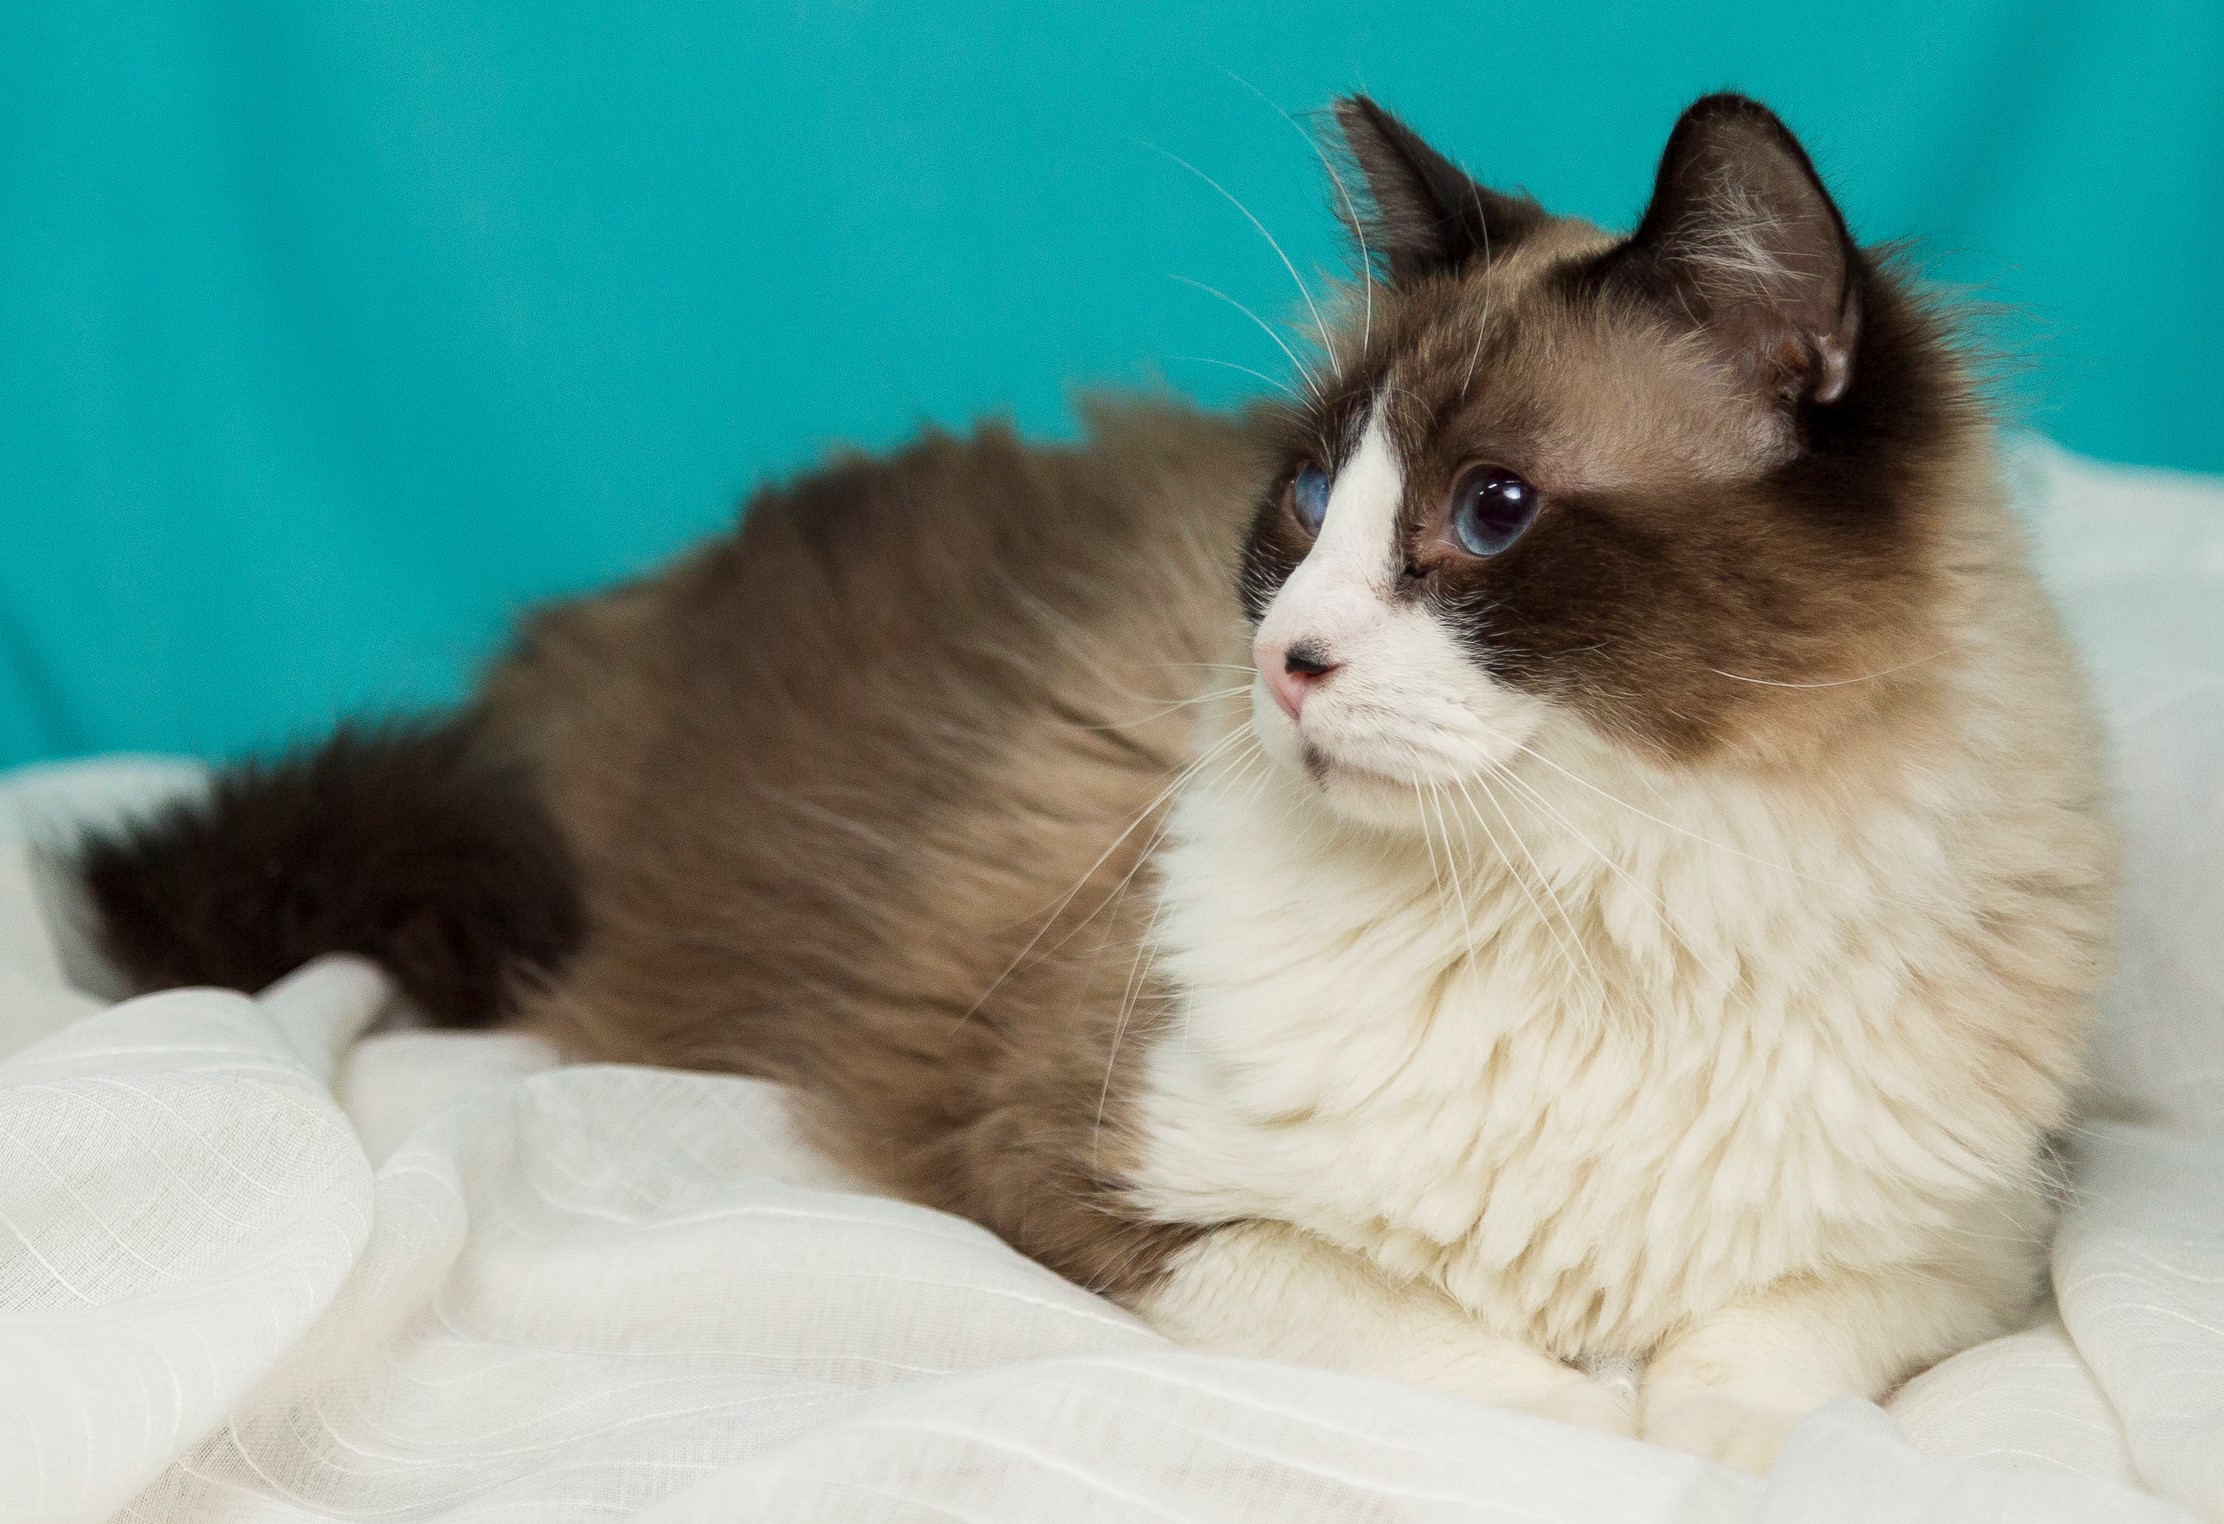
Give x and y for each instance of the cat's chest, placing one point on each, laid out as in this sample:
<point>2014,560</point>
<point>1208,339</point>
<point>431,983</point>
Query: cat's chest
<point>1568,1140</point>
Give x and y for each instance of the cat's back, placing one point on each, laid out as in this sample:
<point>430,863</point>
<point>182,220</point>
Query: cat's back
<point>930,594</point>
<point>874,774</point>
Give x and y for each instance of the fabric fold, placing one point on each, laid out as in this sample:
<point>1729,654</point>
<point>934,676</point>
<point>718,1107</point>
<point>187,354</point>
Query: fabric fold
<point>182,1201</point>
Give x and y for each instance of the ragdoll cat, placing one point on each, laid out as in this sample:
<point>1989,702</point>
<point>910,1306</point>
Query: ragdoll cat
<point>1575,841</point>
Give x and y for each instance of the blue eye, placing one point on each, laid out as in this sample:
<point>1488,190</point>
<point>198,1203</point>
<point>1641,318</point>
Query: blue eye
<point>1491,508</point>
<point>1309,498</point>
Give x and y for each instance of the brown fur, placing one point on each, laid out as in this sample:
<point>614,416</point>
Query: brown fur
<point>862,795</point>
<point>418,845</point>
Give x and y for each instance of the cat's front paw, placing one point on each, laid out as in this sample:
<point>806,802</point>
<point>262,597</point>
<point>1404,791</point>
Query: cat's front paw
<point>1718,1425</point>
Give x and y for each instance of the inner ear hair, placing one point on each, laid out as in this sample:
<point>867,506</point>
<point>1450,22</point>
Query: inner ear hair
<point>1741,237</point>
<point>1423,213</point>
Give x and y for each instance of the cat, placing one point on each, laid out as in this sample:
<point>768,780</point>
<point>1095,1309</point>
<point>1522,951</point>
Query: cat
<point>1575,843</point>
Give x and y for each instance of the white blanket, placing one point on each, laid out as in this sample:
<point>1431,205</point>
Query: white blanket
<point>254,1269</point>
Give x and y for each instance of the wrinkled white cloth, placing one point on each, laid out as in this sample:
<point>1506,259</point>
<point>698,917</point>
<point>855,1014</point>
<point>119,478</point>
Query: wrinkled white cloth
<point>254,1269</point>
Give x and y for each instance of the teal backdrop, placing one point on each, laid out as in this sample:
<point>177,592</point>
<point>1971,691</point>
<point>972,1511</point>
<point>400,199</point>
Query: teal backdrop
<point>331,333</point>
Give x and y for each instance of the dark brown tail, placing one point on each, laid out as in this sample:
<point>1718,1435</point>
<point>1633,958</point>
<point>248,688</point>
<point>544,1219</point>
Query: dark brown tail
<point>406,843</point>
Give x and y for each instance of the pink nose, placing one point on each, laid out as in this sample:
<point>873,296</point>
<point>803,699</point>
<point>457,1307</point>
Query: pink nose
<point>1292,672</point>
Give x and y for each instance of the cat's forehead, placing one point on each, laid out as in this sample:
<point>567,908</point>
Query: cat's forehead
<point>1523,360</point>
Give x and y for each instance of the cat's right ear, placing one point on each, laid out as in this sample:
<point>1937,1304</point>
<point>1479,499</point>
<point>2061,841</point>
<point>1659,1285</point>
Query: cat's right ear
<point>1422,214</point>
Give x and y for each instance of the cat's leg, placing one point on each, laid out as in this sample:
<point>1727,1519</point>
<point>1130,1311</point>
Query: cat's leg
<point>1273,1292</point>
<point>1732,1384</point>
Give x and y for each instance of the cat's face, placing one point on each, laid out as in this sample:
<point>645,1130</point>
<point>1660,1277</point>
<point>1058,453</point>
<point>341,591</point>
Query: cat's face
<point>1673,488</point>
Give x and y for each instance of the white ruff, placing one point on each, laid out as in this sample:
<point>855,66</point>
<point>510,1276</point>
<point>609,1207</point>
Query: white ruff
<point>1550,1103</point>
<point>1592,1044</point>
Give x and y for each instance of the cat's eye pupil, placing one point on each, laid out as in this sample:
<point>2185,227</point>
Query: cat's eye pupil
<point>1491,508</point>
<point>1309,498</point>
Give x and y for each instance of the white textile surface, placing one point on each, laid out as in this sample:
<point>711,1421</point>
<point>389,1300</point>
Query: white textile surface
<point>253,1269</point>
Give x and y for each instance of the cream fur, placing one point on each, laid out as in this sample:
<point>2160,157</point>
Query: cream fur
<point>1548,1053</point>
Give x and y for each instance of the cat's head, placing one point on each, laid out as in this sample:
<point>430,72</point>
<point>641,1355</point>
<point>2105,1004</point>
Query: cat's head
<point>1679,488</point>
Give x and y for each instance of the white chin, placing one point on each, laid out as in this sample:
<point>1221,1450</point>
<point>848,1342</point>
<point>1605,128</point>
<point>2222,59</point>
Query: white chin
<point>1352,789</point>
<point>1363,795</point>
<point>1371,798</point>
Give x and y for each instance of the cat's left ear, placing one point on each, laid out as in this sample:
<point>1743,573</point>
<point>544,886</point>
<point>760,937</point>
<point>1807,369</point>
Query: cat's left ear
<point>1742,238</point>
<point>1424,215</point>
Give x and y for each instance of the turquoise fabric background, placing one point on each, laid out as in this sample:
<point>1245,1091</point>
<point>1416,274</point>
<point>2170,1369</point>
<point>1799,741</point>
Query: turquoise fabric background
<point>331,332</point>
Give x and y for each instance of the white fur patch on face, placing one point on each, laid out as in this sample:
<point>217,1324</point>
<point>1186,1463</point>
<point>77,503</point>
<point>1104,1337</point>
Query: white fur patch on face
<point>1357,550</point>
<point>1404,707</point>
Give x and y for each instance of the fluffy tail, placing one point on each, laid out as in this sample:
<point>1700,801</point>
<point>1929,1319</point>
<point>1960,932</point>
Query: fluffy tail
<point>409,844</point>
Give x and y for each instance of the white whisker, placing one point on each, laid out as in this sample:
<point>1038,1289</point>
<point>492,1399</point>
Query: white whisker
<point>1304,375</point>
<point>1170,707</point>
<point>1303,290</point>
<point>1572,945</point>
<point>1351,211</point>
<point>1051,918</point>
<point>1281,386</point>
<point>1459,890</point>
<point>1667,917</point>
<point>1838,682</point>
<point>1482,323</point>
<point>1524,749</point>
